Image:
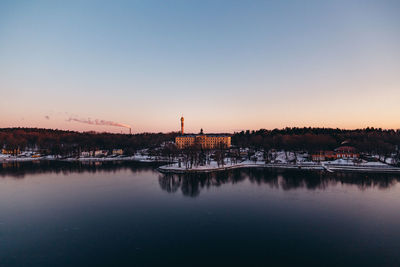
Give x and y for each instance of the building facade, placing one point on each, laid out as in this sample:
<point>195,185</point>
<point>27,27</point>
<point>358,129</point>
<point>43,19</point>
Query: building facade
<point>346,152</point>
<point>11,151</point>
<point>118,151</point>
<point>206,141</point>
<point>343,152</point>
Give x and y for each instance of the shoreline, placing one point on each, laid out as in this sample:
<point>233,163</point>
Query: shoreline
<point>133,159</point>
<point>314,167</point>
<point>174,169</point>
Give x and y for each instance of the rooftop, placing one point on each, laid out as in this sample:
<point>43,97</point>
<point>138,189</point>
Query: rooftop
<point>208,135</point>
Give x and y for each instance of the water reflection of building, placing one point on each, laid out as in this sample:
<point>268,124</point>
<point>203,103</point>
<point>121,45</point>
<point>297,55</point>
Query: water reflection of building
<point>207,141</point>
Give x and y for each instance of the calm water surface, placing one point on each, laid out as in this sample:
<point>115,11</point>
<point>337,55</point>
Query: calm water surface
<point>68,214</point>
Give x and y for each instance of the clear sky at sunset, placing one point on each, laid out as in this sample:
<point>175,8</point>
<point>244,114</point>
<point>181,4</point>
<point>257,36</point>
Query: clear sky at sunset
<point>224,65</point>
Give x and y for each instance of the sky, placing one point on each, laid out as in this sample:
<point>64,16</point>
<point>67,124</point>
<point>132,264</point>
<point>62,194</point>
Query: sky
<point>224,65</point>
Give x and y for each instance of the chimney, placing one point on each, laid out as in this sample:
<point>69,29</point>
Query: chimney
<point>130,130</point>
<point>181,125</point>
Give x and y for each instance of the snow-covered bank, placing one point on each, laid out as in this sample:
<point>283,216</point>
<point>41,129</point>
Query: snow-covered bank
<point>173,167</point>
<point>329,166</point>
<point>136,158</point>
<point>213,166</point>
<point>349,165</point>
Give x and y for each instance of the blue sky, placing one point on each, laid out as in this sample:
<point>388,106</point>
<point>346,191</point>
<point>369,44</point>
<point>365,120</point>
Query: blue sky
<point>224,65</point>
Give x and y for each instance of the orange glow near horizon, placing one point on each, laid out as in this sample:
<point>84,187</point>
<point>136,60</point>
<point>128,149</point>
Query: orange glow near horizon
<point>194,125</point>
<point>270,69</point>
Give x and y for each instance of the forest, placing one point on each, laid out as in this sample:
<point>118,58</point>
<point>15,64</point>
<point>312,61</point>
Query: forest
<point>60,142</point>
<point>368,140</point>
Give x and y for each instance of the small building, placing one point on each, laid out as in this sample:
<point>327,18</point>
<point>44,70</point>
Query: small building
<point>119,152</point>
<point>323,155</point>
<point>343,152</point>
<point>346,152</point>
<point>100,153</point>
<point>243,152</point>
<point>16,151</point>
<point>318,157</point>
<point>85,154</point>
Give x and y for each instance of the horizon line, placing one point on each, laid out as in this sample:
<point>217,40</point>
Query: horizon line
<point>238,131</point>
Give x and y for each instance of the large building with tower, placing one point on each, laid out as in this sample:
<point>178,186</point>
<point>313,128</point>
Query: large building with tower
<point>206,141</point>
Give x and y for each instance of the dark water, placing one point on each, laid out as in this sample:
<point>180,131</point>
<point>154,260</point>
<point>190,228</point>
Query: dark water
<point>125,214</point>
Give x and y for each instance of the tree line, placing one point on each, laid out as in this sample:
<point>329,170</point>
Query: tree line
<point>368,140</point>
<point>59,142</point>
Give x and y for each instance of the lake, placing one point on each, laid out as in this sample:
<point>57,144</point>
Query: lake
<point>129,214</point>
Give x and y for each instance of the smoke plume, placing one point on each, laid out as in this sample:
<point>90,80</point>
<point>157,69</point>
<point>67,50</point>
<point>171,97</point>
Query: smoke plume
<point>99,122</point>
